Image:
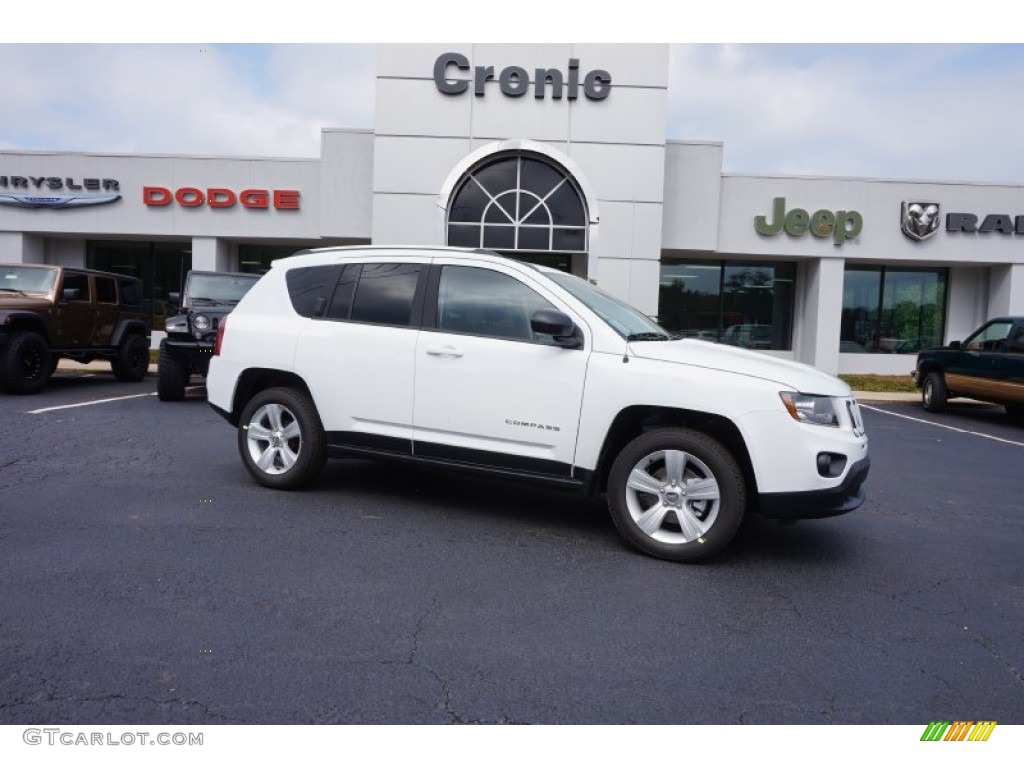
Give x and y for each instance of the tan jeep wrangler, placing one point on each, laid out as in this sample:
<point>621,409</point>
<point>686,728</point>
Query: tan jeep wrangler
<point>49,312</point>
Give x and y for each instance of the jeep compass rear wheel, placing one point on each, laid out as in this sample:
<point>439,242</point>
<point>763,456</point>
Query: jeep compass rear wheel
<point>676,494</point>
<point>281,439</point>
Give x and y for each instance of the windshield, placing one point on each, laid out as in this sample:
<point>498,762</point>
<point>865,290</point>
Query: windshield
<point>27,279</point>
<point>219,289</point>
<point>628,322</point>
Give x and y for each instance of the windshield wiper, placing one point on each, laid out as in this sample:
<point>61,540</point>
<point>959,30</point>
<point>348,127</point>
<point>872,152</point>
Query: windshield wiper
<point>13,290</point>
<point>648,336</point>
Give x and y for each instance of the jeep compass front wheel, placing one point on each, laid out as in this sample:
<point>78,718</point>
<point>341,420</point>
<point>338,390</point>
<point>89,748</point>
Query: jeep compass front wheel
<point>281,439</point>
<point>676,494</point>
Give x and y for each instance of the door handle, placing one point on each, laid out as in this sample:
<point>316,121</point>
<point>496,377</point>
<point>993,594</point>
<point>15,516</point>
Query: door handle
<point>446,351</point>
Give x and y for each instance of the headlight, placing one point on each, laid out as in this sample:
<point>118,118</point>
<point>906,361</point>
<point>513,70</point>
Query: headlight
<point>810,409</point>
<point>201,322</point>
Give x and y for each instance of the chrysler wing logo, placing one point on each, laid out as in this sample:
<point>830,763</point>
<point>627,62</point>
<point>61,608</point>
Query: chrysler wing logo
<point>55,201</point>
<point>919,221</point>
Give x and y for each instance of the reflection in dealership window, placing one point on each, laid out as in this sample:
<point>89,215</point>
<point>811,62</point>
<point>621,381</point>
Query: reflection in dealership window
<point>894,311</point>
<point>743,304</point>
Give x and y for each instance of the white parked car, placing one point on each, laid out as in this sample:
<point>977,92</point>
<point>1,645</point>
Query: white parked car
<point>468,360</point>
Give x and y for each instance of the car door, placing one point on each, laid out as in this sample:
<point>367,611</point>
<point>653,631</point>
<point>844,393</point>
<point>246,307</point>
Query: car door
<point>357,353</point>
<point>1011,366</point>
<point>106,308</point>
<point>490,391</point>
<point>76,313</point>
<point>974,369</point>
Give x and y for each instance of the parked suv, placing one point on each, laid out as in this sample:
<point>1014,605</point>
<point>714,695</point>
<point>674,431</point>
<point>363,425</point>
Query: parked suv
<point>988,365</point>
<point>467,360</point>
<point>187,348</point>
<point>49,312</point>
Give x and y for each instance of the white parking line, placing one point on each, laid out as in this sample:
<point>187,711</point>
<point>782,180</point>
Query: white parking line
<point>90,402</point>
<point>943,426</point>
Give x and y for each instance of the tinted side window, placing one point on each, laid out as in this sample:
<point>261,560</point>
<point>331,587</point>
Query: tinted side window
<point>309,288</point>
<point>487,303</point>
<point>106,290</point>
<point>131,293</point>
<point>77,282</point>
<point>385,293</point>
<point>341,302</point>
<point>990,338</point>
<point>1016,341</point>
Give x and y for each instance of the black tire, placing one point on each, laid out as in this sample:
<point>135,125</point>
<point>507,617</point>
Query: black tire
<point>1014,410</point>
<point>27,364</point>
<point>651,494</point>
<point>281,439</point>
<point>172,376</point>
<point>132,360</point>
<point>934,393</point>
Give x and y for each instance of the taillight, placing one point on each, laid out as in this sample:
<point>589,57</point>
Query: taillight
<point>220,335</point>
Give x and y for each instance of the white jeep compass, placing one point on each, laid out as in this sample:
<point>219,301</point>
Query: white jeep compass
<point>467,360</point>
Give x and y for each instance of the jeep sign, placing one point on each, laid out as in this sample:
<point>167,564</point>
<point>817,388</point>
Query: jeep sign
<point>840,225</point>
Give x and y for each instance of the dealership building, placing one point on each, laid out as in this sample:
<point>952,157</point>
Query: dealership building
<point>558,155</point>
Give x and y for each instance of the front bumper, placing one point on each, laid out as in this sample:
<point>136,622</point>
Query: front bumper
<point>196,352</point>
<point>808,505</point>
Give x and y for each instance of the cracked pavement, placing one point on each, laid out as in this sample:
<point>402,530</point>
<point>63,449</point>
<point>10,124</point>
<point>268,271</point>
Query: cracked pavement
<point>147,580</point>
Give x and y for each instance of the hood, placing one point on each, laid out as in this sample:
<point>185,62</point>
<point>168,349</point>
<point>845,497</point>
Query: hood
<point>12,301</point>
<point>722,357</point>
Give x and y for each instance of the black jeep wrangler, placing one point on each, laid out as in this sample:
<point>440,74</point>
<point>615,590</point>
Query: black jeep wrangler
<point>48,312</point>
<point>207,298</point>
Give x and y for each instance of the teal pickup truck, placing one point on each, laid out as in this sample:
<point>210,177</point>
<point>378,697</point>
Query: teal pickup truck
<point>988,365</point>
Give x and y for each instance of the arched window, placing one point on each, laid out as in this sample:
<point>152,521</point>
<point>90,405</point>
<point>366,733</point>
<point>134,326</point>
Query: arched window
<point>519,202</point>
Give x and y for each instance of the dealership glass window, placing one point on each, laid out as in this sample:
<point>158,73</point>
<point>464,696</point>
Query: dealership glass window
<point>161,267</point>
<point>746,304</point>
<point>892,310</point>
<point>521,205</point>
<point>256,259</point>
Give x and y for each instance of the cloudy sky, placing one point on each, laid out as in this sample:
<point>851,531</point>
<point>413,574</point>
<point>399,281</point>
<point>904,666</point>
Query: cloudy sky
<point>883,110</point>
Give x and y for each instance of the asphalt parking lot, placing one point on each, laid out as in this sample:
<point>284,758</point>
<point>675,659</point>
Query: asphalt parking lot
<point>147,579</point>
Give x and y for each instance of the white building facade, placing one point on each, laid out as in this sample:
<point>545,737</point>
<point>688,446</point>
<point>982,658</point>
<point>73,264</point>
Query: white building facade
<point>555,154</point>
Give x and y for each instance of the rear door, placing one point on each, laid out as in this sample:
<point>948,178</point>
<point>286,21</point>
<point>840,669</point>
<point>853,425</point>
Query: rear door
<point>106,308</point>
<point>1011,365</point>
<point>357,353</point>
<point>490,391</point>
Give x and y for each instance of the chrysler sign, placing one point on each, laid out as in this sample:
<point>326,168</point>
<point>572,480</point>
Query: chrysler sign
<point>57,191</point>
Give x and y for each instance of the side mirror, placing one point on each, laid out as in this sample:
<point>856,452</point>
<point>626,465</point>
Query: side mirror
<point>557,324</point>
<point>174,299</point>
<point>71,294</point>
<point>954,345</point>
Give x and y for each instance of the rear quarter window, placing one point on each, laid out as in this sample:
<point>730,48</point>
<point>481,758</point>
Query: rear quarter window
<point>309,288</point>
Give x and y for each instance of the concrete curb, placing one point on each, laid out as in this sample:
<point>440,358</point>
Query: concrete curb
<point>96,366</point>
<point>887,397</point>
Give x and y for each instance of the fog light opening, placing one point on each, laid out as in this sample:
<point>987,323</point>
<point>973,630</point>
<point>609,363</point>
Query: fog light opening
<point>831,464</point>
